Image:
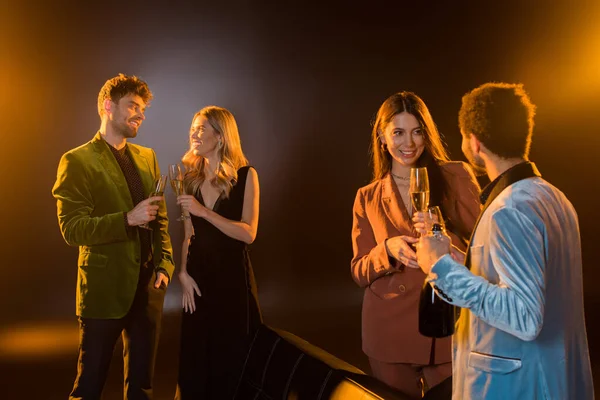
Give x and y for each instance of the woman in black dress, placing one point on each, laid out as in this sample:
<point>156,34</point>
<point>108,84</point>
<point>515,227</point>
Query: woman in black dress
<point>221,312</point>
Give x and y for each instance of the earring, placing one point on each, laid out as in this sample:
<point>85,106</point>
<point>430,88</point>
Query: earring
<point>383,144</point>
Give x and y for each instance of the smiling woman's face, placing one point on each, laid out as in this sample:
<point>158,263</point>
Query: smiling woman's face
<point>203,137</point>
<point>405,139</point>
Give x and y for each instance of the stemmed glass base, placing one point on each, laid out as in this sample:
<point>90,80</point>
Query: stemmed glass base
<point>183,216</point>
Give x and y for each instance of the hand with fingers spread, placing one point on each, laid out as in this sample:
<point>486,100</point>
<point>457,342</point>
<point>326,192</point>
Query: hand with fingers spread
<point>189,286</point>
<point>145,211</point>
<point>190,204</point>
<point>399,248</point>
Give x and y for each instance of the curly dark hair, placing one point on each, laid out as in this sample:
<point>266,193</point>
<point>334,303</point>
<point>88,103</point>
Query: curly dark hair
<point>121,85</point>
<point>500,115</point>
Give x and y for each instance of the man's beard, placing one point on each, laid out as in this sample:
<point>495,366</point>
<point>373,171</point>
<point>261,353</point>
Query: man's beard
<point>124,129</point>
<point>477,163</point>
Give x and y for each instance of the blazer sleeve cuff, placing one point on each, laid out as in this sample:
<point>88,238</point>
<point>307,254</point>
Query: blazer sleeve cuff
<point>392,262</point>
<point>440,269</point>
<point>167,268</point>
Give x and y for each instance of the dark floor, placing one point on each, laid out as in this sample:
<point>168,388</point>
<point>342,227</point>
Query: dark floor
<point>335,330</point>
<point>50,377</point>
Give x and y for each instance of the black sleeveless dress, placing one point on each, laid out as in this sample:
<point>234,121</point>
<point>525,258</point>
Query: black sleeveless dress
<point>215,338</point>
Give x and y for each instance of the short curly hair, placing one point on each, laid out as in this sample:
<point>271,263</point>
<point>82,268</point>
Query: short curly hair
<point>500,115</point>
<point>121,85</point>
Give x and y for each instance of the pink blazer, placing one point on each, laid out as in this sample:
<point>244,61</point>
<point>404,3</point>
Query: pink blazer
<point>391,300</point>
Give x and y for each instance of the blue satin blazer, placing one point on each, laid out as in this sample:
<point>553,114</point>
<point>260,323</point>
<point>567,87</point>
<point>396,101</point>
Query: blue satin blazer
<point>521,334</point>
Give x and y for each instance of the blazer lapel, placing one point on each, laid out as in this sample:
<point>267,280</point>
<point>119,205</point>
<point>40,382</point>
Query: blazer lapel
<point>111,167</point>
<point>394,206</point>
<point>488,195</point>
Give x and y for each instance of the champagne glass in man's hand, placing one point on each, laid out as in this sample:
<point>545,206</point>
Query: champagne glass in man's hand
<point>176,178</point>
<point>159,190</point>
<point>423,221</point>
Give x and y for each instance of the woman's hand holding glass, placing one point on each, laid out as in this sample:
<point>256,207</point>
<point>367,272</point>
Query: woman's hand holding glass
<point>423,220</point>
<point>190,205</point>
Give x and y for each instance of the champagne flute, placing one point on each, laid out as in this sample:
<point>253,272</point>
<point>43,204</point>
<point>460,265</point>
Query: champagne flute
<point>419,189</point>
<point>433,215</point>
<point>176,179</point>
<point>159,190</point>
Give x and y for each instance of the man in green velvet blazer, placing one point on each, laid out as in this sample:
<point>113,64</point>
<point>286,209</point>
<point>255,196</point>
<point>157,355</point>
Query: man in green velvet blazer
<point>102,192</point>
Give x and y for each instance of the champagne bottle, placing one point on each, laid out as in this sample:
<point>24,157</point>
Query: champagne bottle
<point>436,316</point>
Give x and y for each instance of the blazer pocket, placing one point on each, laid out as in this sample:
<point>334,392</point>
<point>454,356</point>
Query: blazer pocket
<point>493,364</point>
<point>476,255</point>
<point>92,260</point>
<point>393,285</point>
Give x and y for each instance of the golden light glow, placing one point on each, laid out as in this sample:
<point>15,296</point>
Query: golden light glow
<point>348,389</point>
<point>565,68</point>
<point>39,340</point>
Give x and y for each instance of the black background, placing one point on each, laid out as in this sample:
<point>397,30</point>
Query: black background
<point>304,81</point>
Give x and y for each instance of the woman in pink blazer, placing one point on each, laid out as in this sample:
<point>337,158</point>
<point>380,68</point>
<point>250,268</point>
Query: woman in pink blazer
<point>384,263</point>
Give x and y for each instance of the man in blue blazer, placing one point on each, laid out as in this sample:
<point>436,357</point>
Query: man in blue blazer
<point>521,333</point>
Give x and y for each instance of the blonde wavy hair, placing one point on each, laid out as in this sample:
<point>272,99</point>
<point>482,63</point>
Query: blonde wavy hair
<point>231,156</point>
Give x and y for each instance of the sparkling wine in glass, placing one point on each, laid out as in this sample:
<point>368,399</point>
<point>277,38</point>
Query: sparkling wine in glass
<point>419,189</point>
<point>158,190</point>
<point>176,179</point>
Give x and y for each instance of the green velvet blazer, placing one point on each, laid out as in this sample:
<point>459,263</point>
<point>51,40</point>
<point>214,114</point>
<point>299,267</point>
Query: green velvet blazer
<point>92,194</point>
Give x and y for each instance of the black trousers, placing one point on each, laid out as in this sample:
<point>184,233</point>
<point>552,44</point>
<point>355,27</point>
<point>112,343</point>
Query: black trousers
<point>140,330</point>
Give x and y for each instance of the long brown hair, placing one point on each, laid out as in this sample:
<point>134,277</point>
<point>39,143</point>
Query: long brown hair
<point>434,154</point>
<point>231,155</point>
<point>392,106</point>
